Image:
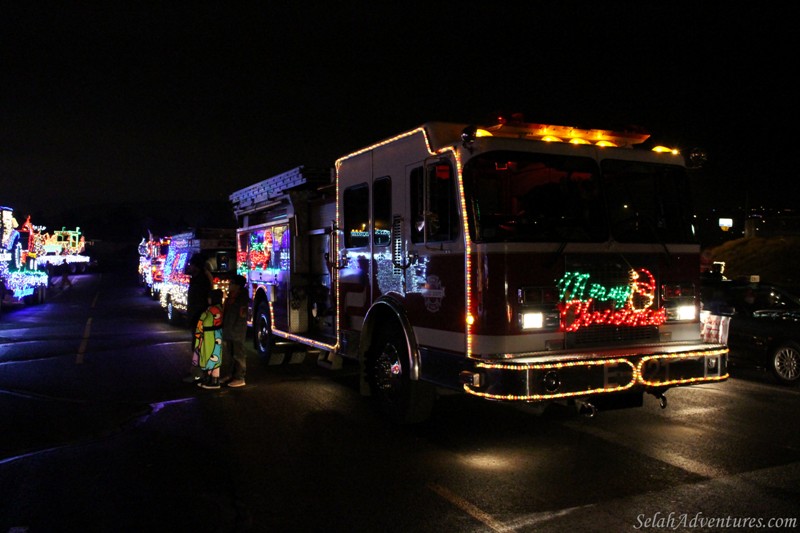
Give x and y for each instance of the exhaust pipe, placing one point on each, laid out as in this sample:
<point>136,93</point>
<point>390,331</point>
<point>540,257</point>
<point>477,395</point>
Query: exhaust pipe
<point>585,408</point>
<point>662,400</point>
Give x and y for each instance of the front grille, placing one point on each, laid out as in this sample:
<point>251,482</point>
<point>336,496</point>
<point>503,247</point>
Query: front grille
<point>611,335</point>
<point>605,276</point>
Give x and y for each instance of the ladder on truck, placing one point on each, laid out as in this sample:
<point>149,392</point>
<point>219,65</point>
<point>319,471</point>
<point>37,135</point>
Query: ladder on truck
<point>260,195</point>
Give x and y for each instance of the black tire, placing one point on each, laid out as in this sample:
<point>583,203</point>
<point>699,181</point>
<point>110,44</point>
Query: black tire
<point>36,298</point>
<point>388,374</point>
<point>785,363</point>
<point>263,340</point>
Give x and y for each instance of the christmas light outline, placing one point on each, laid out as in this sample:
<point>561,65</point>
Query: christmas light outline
<point>639,380</point>
<point>578,297</point>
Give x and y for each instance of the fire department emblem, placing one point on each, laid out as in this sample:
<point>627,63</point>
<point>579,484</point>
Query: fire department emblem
<point>433,292</point>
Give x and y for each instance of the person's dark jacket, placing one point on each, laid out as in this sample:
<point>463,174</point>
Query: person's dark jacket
<point>234,317</point>
<point>197,295</point>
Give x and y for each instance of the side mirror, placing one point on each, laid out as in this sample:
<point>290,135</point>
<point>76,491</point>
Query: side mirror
<point>696,159</point>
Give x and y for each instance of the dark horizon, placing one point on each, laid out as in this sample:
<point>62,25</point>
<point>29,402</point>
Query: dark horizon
<point>134,104</point>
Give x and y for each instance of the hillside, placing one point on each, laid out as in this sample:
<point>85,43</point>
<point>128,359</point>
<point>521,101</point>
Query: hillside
<point>775,259</point>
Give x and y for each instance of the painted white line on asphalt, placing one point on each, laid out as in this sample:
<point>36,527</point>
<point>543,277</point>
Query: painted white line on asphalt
<point>495,525</point>
<point>472,510</point>
<point>663,455</point>
<point>535,519</point>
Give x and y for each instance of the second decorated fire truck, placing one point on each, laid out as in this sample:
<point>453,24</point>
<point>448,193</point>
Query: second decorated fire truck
<point>513,261</point>
<point>216,246</point>
<point>152,256</point>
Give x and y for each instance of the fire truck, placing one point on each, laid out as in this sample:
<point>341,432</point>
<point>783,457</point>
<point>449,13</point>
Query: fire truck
<point>217,247</point>
<point>152,256</point>
<point>20,277</point>
<point>512,261</point>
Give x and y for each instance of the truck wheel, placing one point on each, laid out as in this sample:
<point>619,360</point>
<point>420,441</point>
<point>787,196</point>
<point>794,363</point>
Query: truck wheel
<point>263,340</point>
<point>785,363</point>
<point>404,401</point>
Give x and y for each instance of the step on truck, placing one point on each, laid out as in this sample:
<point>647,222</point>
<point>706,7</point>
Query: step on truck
<point>514,262</point>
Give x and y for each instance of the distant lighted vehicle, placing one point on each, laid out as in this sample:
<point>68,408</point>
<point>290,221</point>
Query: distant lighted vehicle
<point>20,278</point>
<point>152,256</point>
<point>764,328</point>
<point>216,246</point>
<point>62,247</point>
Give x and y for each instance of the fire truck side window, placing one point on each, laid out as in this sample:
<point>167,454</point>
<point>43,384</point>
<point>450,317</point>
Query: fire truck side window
<point>356,216</point>
<point>433,204</point>
<point>382,211</point>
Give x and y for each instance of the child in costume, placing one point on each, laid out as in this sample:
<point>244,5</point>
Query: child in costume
<point>208,341</point>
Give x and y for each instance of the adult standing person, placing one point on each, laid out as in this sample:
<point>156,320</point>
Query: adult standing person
<point>200,284</point>
<point>234,330</point>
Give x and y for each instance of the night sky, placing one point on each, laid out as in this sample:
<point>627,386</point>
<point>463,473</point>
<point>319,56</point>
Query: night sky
<point>130,102</point>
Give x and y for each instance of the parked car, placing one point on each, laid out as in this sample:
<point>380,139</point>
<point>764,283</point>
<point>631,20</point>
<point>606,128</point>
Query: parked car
<point>764,327</point>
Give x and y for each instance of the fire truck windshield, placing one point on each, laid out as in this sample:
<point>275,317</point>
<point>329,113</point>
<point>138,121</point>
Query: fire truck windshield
<point>530,197</point>
<point>648,202</point>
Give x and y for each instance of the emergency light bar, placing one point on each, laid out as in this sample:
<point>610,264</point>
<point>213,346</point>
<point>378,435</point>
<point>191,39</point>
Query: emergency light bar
<point>553,133</point>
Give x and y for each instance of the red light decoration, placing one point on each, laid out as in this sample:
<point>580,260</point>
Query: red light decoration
<point>630,305</point>
<point>260,250</point>
<point>241,262</point>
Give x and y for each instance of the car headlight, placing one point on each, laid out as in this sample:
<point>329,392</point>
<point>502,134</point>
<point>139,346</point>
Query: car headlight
<point>685,312</point>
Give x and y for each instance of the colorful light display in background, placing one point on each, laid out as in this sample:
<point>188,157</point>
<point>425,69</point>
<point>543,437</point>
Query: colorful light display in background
<point>627,305</point>
<point>18,271</point>
<point>23,282</point>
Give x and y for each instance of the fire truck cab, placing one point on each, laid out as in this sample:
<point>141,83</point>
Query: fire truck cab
<point>512,261</point>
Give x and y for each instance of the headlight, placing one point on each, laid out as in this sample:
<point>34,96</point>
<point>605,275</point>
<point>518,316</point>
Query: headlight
<point>533,320</point>
<point>686,312</point>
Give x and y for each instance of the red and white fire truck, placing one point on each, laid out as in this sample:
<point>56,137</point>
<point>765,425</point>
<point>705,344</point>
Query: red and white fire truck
<point>514,261</point>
